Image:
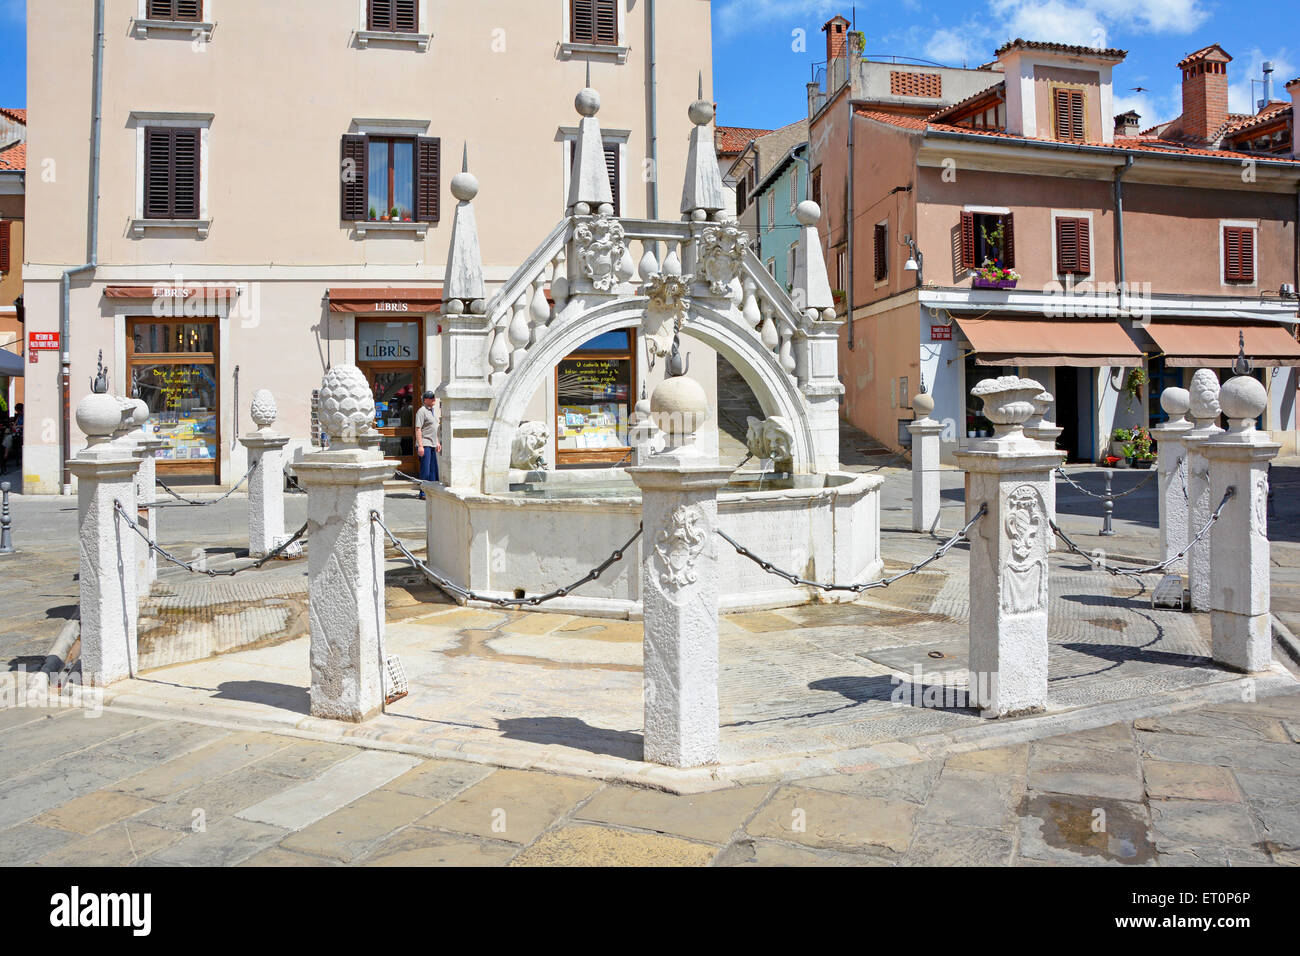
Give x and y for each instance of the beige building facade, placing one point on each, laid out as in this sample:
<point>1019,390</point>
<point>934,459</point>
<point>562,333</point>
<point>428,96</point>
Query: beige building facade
<point>273,184</point>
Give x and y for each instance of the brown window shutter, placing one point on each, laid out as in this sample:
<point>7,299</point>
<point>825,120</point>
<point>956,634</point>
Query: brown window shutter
<point>1077,126</point>
<point>185,174</point>
<point>582,21</point>
<point>611,167</point>
<point>882,257</point>
<point>4,245</point>
<point>1008,241</point>
<point>191,11</point>
<point>1247,255</point>
<point>428,178</point>
<point>406,16</point>
<point>1085,248</point>
<point>607,21</point>
<point>381,15</point>
<point>1061,112</point>
<point>968,241</point>
<point>817,185</point>
<point>1067,245</point>
<point>352,178</point>
<point>158,191</point>
<point>1238,254</point>
<point>161,9</point>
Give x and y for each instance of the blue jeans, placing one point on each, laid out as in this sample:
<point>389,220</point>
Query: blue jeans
<point>429,465</point>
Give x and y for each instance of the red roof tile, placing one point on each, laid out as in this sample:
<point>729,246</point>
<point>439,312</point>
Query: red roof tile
<point>1140,143</point>
<point>1018,43</point>
<point>13,114</point>
<point>1204,53</point>
<point>1269,114</point>
<point>732,139</point>
<point>14,157</point>
<point>997,88</point>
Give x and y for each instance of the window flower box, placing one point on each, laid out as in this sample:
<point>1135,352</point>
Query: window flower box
<point>979,282</point>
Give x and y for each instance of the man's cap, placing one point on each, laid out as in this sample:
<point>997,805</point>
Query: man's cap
<point>429,394</point>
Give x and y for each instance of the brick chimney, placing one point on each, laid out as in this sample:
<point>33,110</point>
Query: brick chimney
<point>837,38</point>
<point>1128,124</point>
<point>1205,92</point>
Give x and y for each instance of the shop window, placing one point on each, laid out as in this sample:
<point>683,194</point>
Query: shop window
<point>594,396</point>
<point>173,368</point>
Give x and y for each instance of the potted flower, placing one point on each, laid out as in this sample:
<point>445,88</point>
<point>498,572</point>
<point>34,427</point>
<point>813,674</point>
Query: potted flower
<point>1133,385</point>
<point>373,214</point>
<point>1118,438</point>
<point>992,274</point>
<point>1141,455</point>
<point>395,214</point>
<point>1111,461</point>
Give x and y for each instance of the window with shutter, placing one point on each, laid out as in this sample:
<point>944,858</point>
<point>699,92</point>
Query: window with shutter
<point>1069,106</point>
<point>4,245</point>
<point>979,241</point>
<point>594,21</point>
<point>794,189</point>
<point>394,16</point>
<point>817,185</point>
<point>1073,242</point>
<point>771,211</point>
<point>189,11</point>
<point>611,167</point>
<point>171,173</point>
<point>968,241</point>
<point>1238,254</point>
<point>882,252</point>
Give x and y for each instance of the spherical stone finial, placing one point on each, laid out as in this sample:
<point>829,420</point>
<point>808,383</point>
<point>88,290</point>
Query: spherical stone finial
<point>347,406</point>
<point>263,410</point>
<point>808,213</point>
<point>1204,395</point>
<point>1176,402</point>
<point>587,102</point>
<point>1243,399</point>
<point>679,407</point>
<point>141,414</point>
<point>700,112</point>
<point>98,416</point>
<point>923,403</point>
<point>464,186</point>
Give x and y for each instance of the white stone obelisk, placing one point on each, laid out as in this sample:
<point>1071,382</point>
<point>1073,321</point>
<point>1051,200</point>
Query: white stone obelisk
<point>679,582</point>
<point>1171,460</point>
<point>346,551</point>
<point>1240,629</point>
<point>1204,405</point>
<point>925,464</point>
<point>266,458</point>
<point>106,475</point>
<point>1010,474</point>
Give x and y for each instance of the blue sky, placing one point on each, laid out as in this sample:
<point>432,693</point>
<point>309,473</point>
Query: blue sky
<point>760,69</point>
<point>759,74</point>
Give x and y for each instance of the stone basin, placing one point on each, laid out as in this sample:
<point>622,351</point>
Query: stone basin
<point>554,527</point>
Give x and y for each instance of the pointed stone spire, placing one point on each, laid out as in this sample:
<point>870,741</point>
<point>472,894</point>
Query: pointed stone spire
<point>464,278</point>
<point>810,279</point>
<point>589,192</point>
<point>702,194</point>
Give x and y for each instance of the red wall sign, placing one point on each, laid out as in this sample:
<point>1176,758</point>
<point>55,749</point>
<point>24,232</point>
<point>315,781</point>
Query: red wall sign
<point>42,340</point>
<point>941,333</point>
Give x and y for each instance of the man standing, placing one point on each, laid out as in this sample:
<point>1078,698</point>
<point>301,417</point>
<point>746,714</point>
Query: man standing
<point>427,445</point>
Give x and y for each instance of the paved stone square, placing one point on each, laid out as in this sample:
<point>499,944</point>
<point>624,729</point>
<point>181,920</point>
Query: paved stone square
<point>520,741</point>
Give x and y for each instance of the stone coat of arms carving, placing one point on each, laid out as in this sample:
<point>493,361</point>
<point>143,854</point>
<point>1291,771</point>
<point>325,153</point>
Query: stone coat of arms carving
<point>601,246</point>
<point>1025,576</point>
<point>678,546</point>
<point>722,252</point>
<point>670,302</point>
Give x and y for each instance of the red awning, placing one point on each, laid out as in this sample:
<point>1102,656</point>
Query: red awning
<point>1041,342</point>
<point>386,301</point>
<point>1193,344</point>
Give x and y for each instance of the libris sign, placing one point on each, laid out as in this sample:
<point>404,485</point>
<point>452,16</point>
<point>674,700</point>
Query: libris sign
<point>392,307</point>
<point>388,341</point>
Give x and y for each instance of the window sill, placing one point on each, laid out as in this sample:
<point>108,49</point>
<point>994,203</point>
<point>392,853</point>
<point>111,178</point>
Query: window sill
<point>199,226</point>
<point>418,40</point>
<point>367,225</point>
<point>569,51</point>
<point>141,28</point>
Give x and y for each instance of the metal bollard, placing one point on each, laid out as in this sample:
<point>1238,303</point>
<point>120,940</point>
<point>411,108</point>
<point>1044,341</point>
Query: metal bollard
<point>1107,506</point>
<point>6,541</point>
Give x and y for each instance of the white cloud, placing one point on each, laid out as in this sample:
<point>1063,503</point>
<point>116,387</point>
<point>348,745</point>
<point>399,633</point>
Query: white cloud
<point>1088,22</point>
<point>734,17</point>
<point>953,47</point>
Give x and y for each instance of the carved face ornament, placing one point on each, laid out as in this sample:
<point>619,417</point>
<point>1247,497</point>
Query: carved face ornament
<point>678,546</point>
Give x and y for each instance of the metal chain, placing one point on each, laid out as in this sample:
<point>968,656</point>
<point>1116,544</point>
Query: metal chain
<point>1150,568</point>
<point>455,590</point>
<point>188,566</point>
<point>855,588</point>
<point>202,504</point>
<point>1103,497</point>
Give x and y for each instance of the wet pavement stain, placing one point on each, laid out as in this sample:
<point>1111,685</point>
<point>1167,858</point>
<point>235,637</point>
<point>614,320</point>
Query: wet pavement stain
<point>1091,827</point>
<point>473,642</point>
